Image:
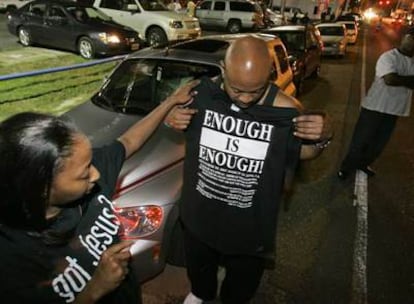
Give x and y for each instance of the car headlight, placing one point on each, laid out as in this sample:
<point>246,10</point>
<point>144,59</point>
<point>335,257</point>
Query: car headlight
<point>139,221</point>
<point>176,24</point>
<point>108,38</point>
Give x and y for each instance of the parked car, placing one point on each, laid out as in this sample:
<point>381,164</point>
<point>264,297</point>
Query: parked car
<point>71,26</point>
<point>10,5</point>
<point>351,31</point>
<point>152,19</point>
<point>304,46</point>
<point>232,15</point>
<point>150,181</point>
<point>272,19</point>
<point>334,38</point>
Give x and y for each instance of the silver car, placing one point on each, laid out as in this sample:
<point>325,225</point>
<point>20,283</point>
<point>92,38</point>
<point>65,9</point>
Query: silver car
<point>150,181</point>
<point>334,38</point>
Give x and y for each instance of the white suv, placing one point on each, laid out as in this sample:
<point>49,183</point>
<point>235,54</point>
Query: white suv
<point>232,15</point>
<point>153,21</point>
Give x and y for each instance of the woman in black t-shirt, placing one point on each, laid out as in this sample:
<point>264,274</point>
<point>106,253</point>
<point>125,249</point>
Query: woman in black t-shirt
<point>58,233</point>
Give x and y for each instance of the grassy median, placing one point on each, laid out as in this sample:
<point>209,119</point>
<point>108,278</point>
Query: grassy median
<point>53,93</point>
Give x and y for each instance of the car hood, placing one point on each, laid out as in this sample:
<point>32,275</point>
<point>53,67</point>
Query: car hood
<point>332,39</point>
<point>103,126</point>
<point>170,14</point>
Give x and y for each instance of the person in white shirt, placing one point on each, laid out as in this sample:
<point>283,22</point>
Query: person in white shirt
<point>388,98</point>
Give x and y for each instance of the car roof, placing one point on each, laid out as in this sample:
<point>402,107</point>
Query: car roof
<point>206,50</point>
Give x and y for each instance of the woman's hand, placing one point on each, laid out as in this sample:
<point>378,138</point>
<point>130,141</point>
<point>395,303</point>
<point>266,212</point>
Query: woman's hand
<point>184,94</point>
<point>111,271</point>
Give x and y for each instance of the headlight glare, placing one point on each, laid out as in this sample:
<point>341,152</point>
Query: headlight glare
<point>108,38</point>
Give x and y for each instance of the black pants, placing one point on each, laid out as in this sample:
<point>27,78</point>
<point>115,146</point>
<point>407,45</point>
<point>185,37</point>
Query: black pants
<point>243,272</point>
<point>372,132</point>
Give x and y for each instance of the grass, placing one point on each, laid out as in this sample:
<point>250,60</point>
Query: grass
<point>53,93</point>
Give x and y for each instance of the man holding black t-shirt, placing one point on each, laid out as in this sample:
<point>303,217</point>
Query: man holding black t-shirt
<point>242,136</point>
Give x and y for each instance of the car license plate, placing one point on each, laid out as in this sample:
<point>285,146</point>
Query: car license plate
<point>134,46</point>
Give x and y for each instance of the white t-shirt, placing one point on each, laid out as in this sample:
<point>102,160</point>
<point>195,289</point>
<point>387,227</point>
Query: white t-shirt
<point>390,99</point>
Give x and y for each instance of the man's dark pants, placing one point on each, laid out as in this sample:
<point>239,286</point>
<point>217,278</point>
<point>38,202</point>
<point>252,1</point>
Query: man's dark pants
<point>243,272</point>
<point>372,132</point>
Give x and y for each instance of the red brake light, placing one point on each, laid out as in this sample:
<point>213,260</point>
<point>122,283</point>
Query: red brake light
<point>139,221</point>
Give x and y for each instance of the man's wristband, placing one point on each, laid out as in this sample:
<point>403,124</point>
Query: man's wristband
<point>323,143</point>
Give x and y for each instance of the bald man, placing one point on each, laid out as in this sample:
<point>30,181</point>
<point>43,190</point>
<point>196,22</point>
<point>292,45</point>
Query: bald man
<point>243,138</point>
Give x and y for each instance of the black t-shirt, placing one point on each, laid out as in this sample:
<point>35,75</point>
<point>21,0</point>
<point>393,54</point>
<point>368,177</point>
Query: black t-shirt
<point>234,170</point>
<point>34,272</point>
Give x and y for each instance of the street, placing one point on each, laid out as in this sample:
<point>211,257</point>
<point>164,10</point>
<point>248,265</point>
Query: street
<point>317,237</point>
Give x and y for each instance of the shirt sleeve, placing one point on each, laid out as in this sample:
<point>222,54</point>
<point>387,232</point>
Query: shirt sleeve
<point>109,160</point>
<point>385,65</point>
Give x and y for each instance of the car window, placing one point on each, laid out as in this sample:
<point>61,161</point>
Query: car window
<point>38,9</point>
<point>292,40</point>
<point>138,86</point>
<point>282,58</point>
<point>112,4</point>
<point>153,5</point>
<point>331,31</point>
<point>241,6</point>
<point>205,5</point>
<point>219,6</point>
<point>55,11</point>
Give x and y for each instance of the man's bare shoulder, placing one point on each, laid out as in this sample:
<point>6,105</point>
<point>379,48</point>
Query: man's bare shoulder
<point>285,101</point>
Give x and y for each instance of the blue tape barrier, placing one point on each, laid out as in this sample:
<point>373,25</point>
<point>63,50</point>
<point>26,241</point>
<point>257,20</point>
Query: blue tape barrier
<point>61,69</point>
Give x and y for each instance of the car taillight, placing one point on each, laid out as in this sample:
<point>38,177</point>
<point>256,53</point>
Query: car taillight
<point>140,221</point>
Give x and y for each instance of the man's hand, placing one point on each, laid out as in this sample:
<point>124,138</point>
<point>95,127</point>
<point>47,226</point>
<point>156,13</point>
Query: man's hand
<point>313,126</point>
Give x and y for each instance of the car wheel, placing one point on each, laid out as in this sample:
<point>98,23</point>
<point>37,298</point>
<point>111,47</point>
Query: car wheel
<point>24,37</point>
<point>156,36</point>
<point>234,26</point>
<point>86,48</point>
<point>317,72</point>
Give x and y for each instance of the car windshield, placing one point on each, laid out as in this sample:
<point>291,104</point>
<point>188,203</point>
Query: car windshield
<point>153,5</point>
<point>294,41</point>
<point>83,14</point>
<point>331,31</point>
<point>138,86</point>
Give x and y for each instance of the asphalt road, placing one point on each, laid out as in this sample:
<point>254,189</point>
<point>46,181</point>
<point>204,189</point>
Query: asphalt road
<point>314,261</point>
